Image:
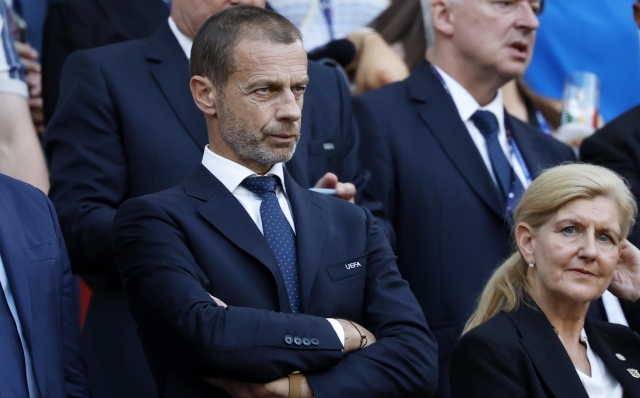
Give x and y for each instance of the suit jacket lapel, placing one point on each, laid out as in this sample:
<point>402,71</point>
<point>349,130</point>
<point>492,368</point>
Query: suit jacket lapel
<point>299,163</point>
<point>170,69</point>
<point>438,112</point>
<point>312,222</point>
<point>547,353</point>
<point>530,146</point>
<point>606,347</point>
<point>227,215</point>
<point>16,266</point>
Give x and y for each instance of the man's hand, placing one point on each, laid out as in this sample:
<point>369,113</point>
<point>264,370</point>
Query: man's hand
<point>375,63</point>
<point>625,283</point>
<point>275,389</point>
<point>352,336</point>
<point>344,190</point>
<point>33,77</point>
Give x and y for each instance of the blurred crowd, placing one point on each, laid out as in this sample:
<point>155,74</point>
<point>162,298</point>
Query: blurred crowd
<point>134,119</point>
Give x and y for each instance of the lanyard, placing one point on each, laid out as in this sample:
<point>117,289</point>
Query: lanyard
<point>328,16</point>
<point>512,144</point>
<point>543,125</point>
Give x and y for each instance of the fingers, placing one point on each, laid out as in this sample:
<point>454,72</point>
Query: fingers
<point>346,191</point>
<point>329,180</point>
<point>25,51</point>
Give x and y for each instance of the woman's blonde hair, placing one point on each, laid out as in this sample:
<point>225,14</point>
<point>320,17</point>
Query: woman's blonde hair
<point>555,187</point>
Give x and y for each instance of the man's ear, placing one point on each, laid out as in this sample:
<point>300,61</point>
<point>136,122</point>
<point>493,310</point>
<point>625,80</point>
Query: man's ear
<point>204,94</point>
<point>442,17</point>
<point>525,241</point>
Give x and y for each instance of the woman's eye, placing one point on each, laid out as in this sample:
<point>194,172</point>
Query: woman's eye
<point>604,238</point>
<point>569,230</point>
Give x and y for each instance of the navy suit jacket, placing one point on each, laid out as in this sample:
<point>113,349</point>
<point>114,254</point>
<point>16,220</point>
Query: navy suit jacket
<point>125,126</point>
<point>35,260</point>
<point>439,196</point>
<point>518,355</point>
<point>177,246</point>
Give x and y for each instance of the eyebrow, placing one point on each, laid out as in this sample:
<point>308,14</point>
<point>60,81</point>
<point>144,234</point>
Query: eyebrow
<point>573,220</point>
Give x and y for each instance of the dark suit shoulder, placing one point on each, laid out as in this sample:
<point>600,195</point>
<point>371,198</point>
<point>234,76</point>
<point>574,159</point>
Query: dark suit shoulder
<point>383,97</point>
<point>112,52</point>
<point>615,330</point>
<point>500,328</point>
<point>545,139</point>
<point>20,192</point>
<point>625,127</point>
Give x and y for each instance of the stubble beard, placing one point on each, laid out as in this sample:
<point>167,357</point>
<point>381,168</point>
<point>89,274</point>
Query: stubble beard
<point>249,146</point>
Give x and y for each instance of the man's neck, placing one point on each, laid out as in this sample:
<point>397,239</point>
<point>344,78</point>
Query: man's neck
<point>483,87</point>
<point>183,24</point>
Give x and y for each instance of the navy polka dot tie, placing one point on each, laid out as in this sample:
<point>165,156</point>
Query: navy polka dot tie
<point>509,184</point>
<point>278,232</point>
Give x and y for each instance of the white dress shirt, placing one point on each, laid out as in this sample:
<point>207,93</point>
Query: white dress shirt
<point>601,384</point>
<point>467,106</point>
<point>231,174</point>
<point>31,379</point>
<point>185,42</point>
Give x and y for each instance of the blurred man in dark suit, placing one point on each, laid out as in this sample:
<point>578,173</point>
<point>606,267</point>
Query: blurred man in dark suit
<point>617,146</point>
<point>126,126</point>
<point>448,162</point>
<point>286,261</point>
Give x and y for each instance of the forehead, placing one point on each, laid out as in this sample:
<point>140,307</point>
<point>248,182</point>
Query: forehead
<point>254,58</point>
<point>600,210</point>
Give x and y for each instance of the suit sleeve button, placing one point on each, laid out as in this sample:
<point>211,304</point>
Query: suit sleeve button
<point>288,339</point>
<point>306,341</point>
<point>315,341</point>
<point>297,340</point>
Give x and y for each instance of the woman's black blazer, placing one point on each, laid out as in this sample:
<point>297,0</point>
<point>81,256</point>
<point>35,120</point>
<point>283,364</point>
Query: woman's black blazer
<point>518,354</point>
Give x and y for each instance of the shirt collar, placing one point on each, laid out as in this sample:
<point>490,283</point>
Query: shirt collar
<point>184,41</point>
<point>466,104</point>
<point>231,174</point>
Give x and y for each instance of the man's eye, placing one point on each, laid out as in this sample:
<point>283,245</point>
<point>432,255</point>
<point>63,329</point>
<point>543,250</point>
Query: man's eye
<point>263,90</point>
<point>299,89</point>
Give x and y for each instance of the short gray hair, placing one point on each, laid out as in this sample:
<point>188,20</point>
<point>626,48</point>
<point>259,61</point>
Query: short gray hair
<point>429,32</point>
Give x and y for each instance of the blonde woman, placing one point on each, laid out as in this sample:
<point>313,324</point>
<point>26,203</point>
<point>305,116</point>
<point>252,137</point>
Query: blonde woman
<point>529,336</point>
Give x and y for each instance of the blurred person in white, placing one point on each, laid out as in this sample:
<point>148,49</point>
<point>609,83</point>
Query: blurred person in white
<point>20,152</point>
<point>375,64</point>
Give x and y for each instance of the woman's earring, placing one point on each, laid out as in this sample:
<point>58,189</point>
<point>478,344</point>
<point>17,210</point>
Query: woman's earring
<point>531,265</point>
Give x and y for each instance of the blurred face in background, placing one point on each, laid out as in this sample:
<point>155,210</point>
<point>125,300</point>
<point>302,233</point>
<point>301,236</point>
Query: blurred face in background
<point>636,13</point>
<point>495,36</point>
<point>190,15</point>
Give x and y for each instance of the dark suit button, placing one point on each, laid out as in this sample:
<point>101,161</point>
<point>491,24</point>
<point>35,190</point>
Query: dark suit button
<point>297,340</point>
<point>306,341</point>
<point>315,341</point>
<point>288,339</point>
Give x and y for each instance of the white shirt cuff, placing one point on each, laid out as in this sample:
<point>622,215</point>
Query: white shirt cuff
<point>338,328</point>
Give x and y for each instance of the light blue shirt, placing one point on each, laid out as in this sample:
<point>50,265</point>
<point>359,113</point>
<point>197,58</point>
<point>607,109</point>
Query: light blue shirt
<point>31,379</point>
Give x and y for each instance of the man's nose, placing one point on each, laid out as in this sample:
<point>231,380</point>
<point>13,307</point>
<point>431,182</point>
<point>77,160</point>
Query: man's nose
<point>289,107</point>
<point>527,18</point>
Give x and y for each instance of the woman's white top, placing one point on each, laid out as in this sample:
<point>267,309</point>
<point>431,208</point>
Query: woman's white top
<point>601,384</point>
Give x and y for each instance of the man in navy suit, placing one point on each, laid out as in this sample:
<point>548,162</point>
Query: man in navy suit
<point>449,163</point>
<point>41,354</point>
<point>239,277</point>
<point>126,126</point>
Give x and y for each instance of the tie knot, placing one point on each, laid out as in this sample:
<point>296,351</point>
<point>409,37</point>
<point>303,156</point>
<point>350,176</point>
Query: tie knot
<point>261,185</point>
<point>486,122</point>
